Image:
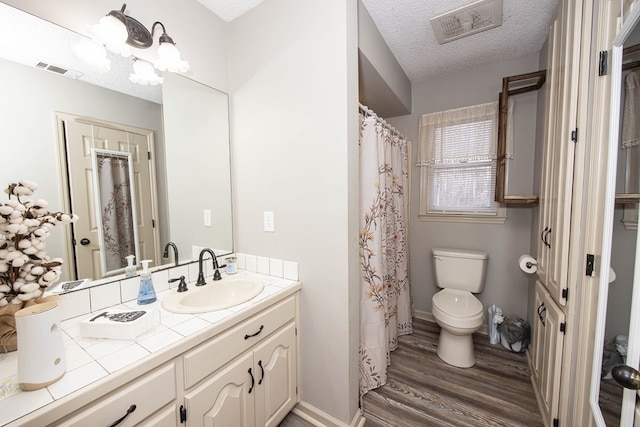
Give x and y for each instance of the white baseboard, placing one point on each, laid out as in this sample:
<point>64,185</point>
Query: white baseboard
<point>319,418</point>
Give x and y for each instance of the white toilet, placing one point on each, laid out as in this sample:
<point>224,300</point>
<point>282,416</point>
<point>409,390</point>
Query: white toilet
<point>460,273</point>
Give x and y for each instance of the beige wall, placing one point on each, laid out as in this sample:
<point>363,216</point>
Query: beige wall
<point>293,85</point>
<point>506,286</point>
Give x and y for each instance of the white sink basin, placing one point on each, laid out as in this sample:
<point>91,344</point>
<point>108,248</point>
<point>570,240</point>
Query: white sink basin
<point>215,295</point>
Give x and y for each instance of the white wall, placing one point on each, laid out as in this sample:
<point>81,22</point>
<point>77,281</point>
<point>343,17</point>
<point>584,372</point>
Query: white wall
<point>506,286</point>
<point>383,85</point>
<point>293,81</point>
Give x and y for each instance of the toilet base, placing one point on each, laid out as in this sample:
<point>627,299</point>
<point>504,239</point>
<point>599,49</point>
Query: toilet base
<point>456,350</point>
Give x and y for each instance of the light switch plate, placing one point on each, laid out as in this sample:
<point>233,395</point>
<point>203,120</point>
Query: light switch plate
<point>269,224</point>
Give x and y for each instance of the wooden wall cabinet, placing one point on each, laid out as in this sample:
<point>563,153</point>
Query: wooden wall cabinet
<point>561,134</point>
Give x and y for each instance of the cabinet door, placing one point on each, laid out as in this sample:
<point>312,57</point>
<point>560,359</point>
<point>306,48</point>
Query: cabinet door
<point>226,399</point>
<point>549,356</point>
<point>562,109</point>
<point>537,338</point>
<point>275,363</point>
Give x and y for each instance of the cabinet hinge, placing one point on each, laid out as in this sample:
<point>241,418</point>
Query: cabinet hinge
<point>556,422</point>
<point>565,294</point>
<point>563,327</point>
<point>602,62</point>
<point>591,260</point>
<point>153,223</point>
<point>296,390</point>
<point>296,330</point>
<point>183,414</point>
<point>574,135</point>
<point>149,155</point>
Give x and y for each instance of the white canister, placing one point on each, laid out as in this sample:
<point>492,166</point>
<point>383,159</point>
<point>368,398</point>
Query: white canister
<point>41,357</point>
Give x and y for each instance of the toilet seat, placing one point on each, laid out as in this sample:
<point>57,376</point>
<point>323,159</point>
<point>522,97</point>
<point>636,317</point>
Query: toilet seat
<point>457,308</point>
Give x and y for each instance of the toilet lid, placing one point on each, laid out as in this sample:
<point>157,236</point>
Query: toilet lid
<point>457,303</point>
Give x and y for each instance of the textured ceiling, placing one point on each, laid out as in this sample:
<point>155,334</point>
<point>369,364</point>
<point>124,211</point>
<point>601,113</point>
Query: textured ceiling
<point>405,26</point>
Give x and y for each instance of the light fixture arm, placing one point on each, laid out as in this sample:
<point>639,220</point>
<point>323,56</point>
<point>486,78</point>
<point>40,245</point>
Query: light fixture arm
<point>164,37</point>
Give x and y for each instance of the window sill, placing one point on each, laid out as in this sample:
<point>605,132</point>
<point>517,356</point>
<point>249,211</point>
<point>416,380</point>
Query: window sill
<point>474,219</point>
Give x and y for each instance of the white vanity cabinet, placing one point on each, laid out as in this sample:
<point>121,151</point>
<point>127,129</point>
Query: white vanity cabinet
<point>240,371</point>
<point>256,388</point>
<point>144,397</point>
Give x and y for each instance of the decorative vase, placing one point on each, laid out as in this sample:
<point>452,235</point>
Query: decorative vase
<point>41,355</point>
<point>8,331</point>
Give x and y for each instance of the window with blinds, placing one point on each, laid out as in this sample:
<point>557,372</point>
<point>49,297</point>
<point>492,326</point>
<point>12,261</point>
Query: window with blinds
<point>457,156</point>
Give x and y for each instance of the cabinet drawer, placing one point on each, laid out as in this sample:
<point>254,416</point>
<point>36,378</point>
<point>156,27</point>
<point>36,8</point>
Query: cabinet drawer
<point>210,356</point>
<point>149,393</point>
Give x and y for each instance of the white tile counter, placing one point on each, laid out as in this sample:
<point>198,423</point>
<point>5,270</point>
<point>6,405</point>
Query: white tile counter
<point>90,359</point>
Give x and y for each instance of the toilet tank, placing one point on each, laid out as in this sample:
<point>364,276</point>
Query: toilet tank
<point>460,269</point>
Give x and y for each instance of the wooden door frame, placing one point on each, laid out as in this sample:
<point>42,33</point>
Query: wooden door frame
<point>65,199</point>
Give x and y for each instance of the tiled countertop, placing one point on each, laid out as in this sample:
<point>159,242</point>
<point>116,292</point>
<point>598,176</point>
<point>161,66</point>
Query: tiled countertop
<point>90,359</point>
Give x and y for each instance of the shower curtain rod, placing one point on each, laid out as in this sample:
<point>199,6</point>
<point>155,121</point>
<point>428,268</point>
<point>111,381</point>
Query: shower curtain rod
<point>368,112</point>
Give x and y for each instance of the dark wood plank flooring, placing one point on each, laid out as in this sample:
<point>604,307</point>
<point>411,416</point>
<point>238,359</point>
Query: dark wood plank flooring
<point>422,390</point>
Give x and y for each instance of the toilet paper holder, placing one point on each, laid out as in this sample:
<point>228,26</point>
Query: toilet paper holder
<point>530,264</point>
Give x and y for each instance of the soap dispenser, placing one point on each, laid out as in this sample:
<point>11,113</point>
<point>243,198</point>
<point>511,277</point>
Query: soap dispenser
<point>130,269</point>
<point>147,294</point>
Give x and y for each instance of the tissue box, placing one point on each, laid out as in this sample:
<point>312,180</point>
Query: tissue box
<point>119,324</point>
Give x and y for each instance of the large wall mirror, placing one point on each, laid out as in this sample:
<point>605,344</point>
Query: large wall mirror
<point>188,126</point>
<point>618,320</point>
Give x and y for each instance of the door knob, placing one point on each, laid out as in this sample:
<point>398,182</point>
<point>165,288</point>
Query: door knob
<point>85,241</point>
<point>626,376</point>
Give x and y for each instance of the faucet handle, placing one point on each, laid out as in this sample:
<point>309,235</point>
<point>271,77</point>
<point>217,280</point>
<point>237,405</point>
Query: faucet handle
<point>182,286</point>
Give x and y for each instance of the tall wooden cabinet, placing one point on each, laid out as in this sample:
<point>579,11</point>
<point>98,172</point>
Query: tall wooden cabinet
<point>561,134</point>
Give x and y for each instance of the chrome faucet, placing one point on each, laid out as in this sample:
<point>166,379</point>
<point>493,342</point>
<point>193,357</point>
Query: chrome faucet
<point>175,252</point>
<point>216,274</point>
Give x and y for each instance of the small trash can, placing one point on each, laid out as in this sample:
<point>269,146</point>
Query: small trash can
<point>515,333</point>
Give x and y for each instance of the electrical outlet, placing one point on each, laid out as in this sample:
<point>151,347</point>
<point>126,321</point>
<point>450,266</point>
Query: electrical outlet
<point>269,224</point>
<point>207,217</point>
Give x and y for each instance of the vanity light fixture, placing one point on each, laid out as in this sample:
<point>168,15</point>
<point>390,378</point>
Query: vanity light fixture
<point>144,73</point>
<point>117,32</point>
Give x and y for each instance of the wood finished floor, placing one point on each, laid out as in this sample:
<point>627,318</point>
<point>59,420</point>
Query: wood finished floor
<point>422,390</point>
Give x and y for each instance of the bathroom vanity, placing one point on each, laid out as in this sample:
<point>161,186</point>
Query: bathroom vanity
<point>241,370</point>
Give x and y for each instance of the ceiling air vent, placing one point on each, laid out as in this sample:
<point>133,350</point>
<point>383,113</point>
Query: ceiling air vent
<point>467,20</point>
<point>59,70</point>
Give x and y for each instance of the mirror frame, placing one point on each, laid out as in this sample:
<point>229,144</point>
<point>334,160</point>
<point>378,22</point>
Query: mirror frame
<point>633,350</point>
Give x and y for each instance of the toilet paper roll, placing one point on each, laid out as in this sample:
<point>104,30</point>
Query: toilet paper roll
<point>528,264</point>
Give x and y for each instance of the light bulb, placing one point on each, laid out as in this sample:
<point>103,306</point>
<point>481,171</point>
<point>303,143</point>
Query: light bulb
<point>112,32</point>
<point>144,74</point>
<point>169,59</point>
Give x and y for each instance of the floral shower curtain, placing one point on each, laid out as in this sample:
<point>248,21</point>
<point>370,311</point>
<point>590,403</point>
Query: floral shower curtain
<point>116,209</point>
<point>385,300</point>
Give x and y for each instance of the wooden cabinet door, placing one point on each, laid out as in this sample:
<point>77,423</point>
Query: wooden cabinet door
<point>275,367</point>
<point>547,348</point>
<point>226,399</point>
<point>560,136</point>
<point>537,334</point>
